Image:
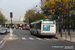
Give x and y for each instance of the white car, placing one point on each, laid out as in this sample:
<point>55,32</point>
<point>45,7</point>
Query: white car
<point>2,31</point>
<point>8,30</point>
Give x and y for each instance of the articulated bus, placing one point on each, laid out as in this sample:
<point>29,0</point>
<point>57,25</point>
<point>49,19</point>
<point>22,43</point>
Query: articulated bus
<point>43,28</point>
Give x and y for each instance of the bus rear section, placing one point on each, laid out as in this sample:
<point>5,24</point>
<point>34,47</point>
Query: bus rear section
<point>43,28</point>
<point>48,29</point>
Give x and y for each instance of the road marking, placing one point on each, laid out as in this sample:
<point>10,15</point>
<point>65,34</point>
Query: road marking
<point>1,41</point>
<point>2,44</point>
<point>31,38</point>
<point>23,38</point>
<point>39,38</point>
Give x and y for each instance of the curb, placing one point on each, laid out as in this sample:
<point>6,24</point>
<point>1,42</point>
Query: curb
<point>66,40</point>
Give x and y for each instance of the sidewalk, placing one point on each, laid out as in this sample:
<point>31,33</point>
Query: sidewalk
<point>66,37</point>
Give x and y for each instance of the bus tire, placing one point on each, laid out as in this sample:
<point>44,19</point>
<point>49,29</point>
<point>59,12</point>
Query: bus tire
<point>31,33</point>
<point>38,34</point>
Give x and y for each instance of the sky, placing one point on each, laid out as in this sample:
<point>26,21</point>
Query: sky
<point>18,7</point>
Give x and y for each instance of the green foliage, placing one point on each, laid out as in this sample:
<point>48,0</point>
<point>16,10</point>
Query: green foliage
<point>57,6</point>
<point>31,16</point>
<point>2,19</point>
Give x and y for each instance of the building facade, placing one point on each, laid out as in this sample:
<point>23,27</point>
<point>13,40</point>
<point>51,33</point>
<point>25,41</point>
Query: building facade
<point>2,11</point>
<point>21,19</point>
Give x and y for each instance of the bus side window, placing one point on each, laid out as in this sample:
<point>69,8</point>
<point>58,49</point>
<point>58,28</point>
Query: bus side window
<point>38,25</point>
<point>31,25</point>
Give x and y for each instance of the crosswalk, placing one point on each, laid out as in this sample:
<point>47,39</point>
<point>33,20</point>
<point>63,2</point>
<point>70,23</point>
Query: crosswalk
<point>36,38</point>
<point>31,38</point>
<point>23,38</point>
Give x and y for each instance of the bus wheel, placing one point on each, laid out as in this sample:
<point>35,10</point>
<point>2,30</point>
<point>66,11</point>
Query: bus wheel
<point>31,33</point>
<point>38,34</point>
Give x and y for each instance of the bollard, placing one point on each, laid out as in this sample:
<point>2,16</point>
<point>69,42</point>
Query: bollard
<point>11,32</point>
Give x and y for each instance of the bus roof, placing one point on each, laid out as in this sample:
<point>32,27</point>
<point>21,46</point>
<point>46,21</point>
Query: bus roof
<point>40,21</point>
<point>36,22</point>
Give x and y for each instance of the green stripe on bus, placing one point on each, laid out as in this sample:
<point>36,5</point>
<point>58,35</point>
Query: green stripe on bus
<point>41,21</point>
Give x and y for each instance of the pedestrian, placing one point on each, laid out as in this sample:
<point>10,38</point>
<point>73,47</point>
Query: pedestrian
<point>64,28</point>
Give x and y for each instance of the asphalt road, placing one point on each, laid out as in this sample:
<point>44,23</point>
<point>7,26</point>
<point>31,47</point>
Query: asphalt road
<point>27,41</point>
<point>2,36</point>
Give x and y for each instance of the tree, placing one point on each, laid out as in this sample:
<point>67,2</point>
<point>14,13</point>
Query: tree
<point>2,19</point>
<point>32,15</point>
<point>57,6</point>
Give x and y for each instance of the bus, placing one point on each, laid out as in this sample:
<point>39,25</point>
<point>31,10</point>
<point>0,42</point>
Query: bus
<point>43,28</point>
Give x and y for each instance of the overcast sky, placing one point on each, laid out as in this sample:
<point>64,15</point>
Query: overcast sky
<point>18,7</point>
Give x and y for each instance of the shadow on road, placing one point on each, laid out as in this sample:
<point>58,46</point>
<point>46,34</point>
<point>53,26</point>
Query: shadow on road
<point>45,36</point>
<point>3,34</point>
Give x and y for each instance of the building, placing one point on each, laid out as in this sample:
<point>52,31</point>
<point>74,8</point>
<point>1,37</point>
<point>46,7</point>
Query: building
<point>21,19</point>
<point>2,11</point>
<point>15,23</point>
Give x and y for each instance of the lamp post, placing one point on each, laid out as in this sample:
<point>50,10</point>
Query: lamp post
<point>72,14</point>
<point>58,24</point>
<point>72,21</point>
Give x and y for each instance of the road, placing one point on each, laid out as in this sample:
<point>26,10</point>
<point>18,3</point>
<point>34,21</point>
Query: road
<point>2,36</point>
<point>27,41</point>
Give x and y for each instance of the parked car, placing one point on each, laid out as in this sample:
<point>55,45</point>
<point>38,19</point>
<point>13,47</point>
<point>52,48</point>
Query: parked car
<point>3,31</point>
<point>7,29</point>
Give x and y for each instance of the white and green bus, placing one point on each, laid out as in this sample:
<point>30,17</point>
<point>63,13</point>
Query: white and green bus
<point>43,27</point>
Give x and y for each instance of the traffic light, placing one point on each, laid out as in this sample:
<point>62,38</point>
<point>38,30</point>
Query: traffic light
<point>11,15</point>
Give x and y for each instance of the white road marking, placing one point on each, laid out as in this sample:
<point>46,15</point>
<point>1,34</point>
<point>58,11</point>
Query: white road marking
<point>2,44</point>
<point>31,38</point>
<point>39,38</point>
<point>1,41</point>
<point>23,38</point>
